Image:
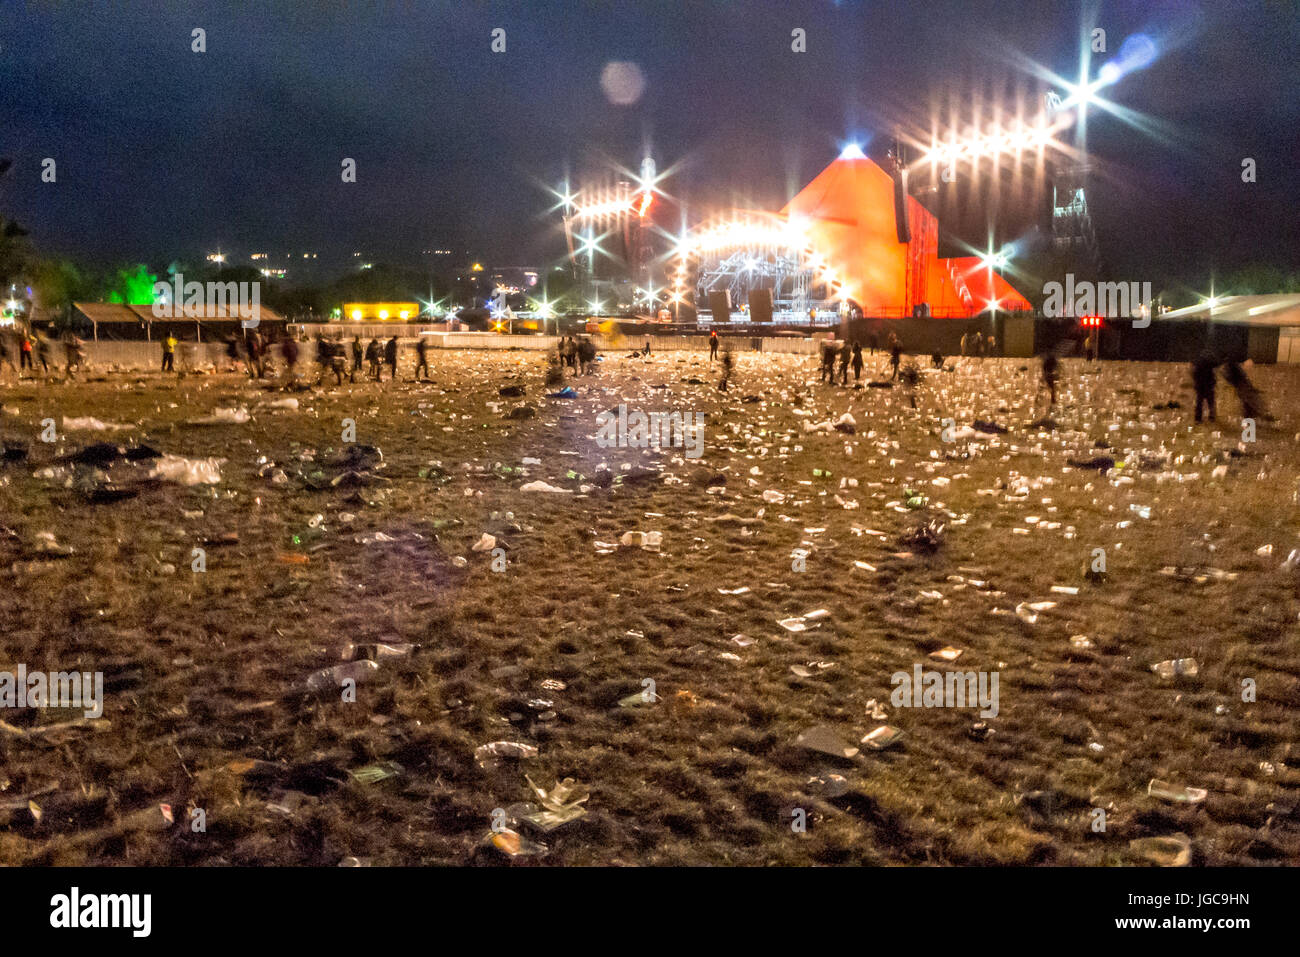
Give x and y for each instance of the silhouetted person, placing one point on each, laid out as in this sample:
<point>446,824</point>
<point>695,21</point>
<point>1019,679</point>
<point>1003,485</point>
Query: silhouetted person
<point>713,344</point>
<point>1204,381</point>
<point>422,356</point>
<point>390,357</point>
<point>829,352</point>
<point>895,355</point>
<point>356,356</point>
<point>1051,375</point>
<point>857,362</point>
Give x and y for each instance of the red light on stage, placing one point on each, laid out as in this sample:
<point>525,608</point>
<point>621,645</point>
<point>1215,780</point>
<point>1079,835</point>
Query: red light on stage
<point>1090,322</point>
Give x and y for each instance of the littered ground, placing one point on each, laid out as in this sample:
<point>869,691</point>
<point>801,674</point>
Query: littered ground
<point>206,712</point>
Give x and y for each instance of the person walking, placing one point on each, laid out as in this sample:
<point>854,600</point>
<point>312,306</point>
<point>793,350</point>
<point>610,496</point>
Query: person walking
<point>1051,376</point>
<point>289,352</point>
<point>25,353</point>
<point>728,363</point>
<point>422,357</point>
<point>372,360</point>
<point>169,353</point>
<point>390,357</point>
<point>1204,380</point>
<point>846,355</point>
<point>356,356</point>
<point>857,362</point>
<point>713,344</point>
<point>895,355</point>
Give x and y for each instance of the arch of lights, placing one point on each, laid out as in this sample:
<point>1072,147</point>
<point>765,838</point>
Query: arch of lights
<point>755,250</point>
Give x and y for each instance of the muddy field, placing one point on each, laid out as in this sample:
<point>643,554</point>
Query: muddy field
<point>207,706</point>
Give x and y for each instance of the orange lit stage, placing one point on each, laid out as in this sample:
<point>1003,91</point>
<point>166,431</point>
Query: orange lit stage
<point>847,214</point>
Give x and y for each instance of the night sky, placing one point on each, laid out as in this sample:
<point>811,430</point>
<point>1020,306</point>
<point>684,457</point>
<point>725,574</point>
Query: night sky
<point>164,153</point>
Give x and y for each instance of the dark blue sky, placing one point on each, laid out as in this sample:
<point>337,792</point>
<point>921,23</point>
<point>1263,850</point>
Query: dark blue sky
<point>163,153</point>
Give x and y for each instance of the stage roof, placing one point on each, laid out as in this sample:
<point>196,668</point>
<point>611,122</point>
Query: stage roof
<point>1275,310</point>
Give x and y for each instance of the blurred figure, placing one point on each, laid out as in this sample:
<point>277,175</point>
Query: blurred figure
<point>1252,400</point>
<point>43,352</point>
<point>356,356</point>
<point>728,363</point>
<point>390,356</point>
<point>857,362</point>
<point>422,356</point>
<point>372,358</point>
<point>1204,381</point>
<point>1051,376</point>
<point>713,344</point>
<point>846,355</point>
<point>6,357</point>
<point>587,356</point>
<point>828,361</point>
<point>289,353</point>
<point>25,352</point>
<point>895,355</point>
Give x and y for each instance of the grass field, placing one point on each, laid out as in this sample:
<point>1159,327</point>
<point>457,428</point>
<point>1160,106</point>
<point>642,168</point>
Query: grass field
<point>205,698</point>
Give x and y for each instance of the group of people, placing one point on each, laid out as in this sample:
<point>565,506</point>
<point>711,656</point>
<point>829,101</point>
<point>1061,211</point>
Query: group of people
<point>252,350</point>
<point>849,354</point>
<point>22,349</point>
<point>1205,382</point>
<point>578,354</point>
<point>977,345</point>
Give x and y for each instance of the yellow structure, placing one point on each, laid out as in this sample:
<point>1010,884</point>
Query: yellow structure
<point>381,311</point>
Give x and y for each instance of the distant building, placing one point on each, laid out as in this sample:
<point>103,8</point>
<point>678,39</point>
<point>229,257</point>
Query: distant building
<point>381,311</point>
<point>517,278</point>
<point>114,320</point>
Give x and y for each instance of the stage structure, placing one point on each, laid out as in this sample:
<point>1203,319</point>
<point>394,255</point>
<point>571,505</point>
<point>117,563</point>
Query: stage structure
<point>852,242</point>
<point>608,231</point>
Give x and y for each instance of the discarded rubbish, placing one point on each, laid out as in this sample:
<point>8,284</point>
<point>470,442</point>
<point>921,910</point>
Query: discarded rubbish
<point>485,543</point>
<point>639,699</point>
<point>946,654</point>
<point>647,541</point>
<point>232,416</point>
<point>560,805</point>
<point>90,424</point>
<point>512,844</point>
<point>332,678</point>
<point>1176,668</point>
<point>831,785</point>
<point>826,740</point>
<point>496,750</point>
<point>374,773</point>
<point>543,487</point>
<point>1169,792</point>
<point>1174,850</point>
<point>883,737</point>
<point>183,471</point>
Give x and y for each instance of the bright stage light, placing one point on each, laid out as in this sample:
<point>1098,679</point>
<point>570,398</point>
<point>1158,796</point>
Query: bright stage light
<point>852,152</point>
